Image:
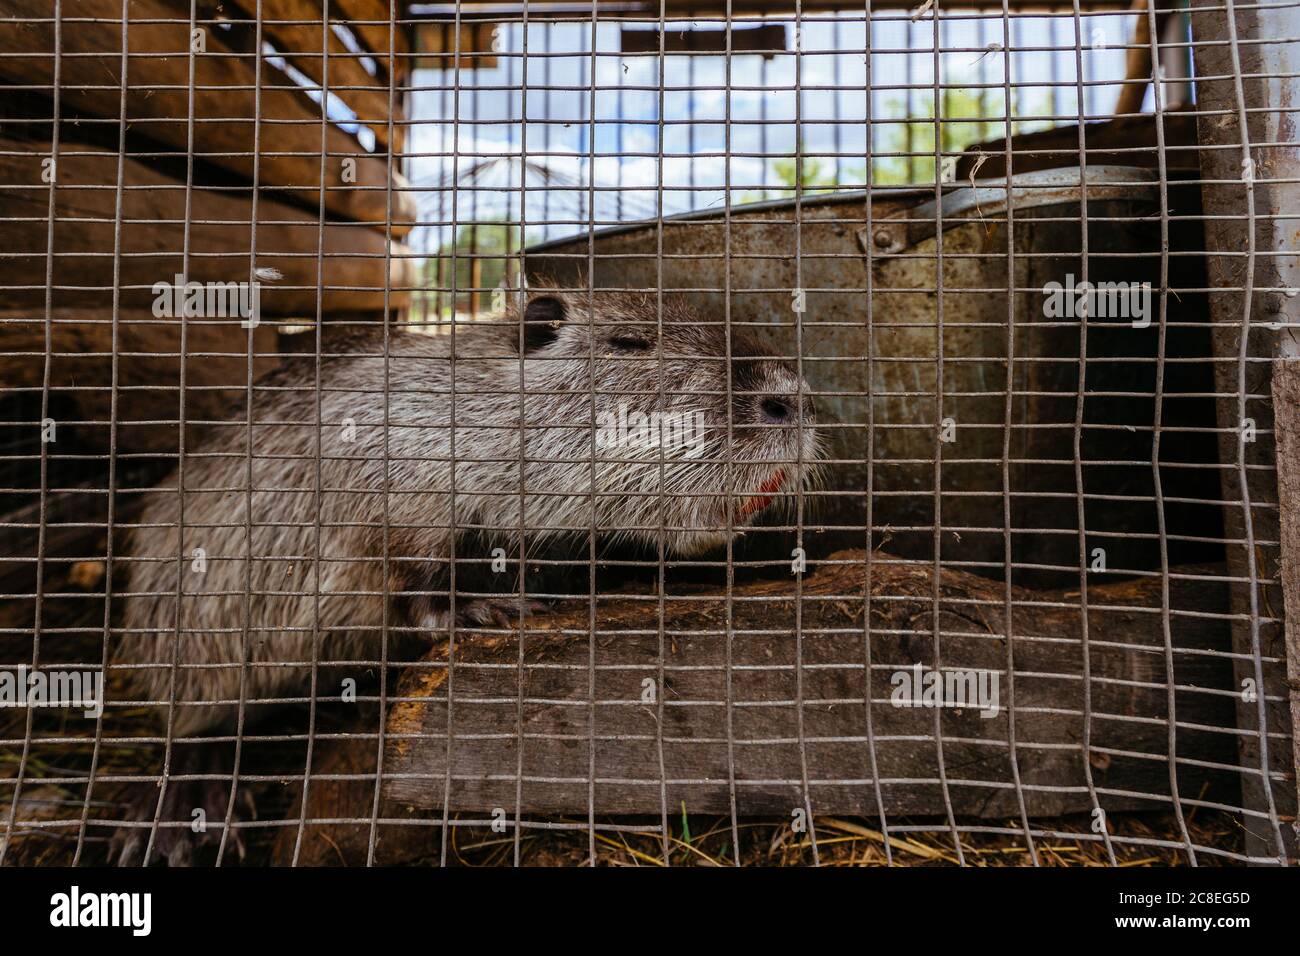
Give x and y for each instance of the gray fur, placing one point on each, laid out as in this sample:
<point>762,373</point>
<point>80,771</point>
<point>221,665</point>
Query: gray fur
<point>283,611</point>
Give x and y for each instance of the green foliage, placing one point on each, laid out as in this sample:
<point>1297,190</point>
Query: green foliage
<point>483,253</point>
<point>911,134</point>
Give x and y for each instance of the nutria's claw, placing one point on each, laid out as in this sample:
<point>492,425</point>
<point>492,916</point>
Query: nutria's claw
<point>175,844</point>
<point>500,612</point>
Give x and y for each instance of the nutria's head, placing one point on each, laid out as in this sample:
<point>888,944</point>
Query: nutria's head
<point>645,385</point>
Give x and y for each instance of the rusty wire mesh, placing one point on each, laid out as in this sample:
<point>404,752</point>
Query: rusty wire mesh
<point>902,204</point>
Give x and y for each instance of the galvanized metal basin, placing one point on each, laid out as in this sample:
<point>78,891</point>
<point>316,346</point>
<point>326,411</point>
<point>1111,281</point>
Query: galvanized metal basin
<point>908,362</point>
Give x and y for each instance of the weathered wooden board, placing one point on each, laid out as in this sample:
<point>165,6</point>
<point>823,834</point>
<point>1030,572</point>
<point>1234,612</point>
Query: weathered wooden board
<point>284,147</point>
<point>1128,701</point>
<point>1259,325</point>
<point>719,8</point>
<point>1129,740</point>
<point>439,42</point>
<point>1122,141</point>
<point>289,25</point>
<point>371,22</point>
<point>148,371</point>
<point>153,239</point>
<point>1286,412</point>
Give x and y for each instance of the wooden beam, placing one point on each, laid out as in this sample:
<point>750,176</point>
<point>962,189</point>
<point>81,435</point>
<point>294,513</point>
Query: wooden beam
<point>284,147</point>
<point>1128,693</point>
<point>1286,422</point>
<point>289,25</point>
<point>540,11</point>
<point>1244,97</point>
<point>153,238</point>
<point>1137,69</point>
<point>82,346</point>
<point>371,23</point>
<point>1122,141</point>
<point>438,42</point>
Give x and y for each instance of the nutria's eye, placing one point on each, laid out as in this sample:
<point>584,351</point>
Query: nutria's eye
<point>629,343</point>
<point>543,317</point>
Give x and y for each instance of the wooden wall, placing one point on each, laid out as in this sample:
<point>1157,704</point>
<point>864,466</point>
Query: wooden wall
<point>179,150</point>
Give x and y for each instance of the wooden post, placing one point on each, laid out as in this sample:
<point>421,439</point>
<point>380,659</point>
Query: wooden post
<point>1286,411</point>
<point>1246,90</point>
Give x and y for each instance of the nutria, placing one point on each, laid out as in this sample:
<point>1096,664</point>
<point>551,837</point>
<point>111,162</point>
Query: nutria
<point>568,341</point>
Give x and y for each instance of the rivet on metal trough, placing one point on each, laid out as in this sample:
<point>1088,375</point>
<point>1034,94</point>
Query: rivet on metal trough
<point>885,240</point>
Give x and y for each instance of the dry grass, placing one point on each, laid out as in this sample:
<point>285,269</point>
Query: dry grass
<point>694,839</point>
<point>708,841</point>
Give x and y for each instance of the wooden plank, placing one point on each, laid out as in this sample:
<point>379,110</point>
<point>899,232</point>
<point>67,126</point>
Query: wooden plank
<point>694,10</point>
<point>1286,422</point>
<point>1137,64</point>
<point>288,24</point>
<point>1125,647</point>
<point>1230,78</point>
<point>1128,694</point>
<point>153,237</point>
<point>148,350</point>
<point>439,41</point>
<point>1123,141</point>
<point>286,144</point>
<point>371,22</point>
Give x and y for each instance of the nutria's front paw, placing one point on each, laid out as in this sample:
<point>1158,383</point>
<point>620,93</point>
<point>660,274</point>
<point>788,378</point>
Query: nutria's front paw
<point>499,612</point>
<point>167,833</point>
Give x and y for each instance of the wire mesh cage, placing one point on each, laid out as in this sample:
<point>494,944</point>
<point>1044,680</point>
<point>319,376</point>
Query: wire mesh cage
<point>646,433</point>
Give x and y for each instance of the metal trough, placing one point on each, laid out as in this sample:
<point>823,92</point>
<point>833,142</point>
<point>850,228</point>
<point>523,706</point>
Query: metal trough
<point>870,337</point>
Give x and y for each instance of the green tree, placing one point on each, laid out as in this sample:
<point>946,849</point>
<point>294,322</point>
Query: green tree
<point>813,174</point>
<point>965,121</point>
<point>480,257</point>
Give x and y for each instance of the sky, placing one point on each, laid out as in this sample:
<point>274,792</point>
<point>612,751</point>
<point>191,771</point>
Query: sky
<point>563,147</point>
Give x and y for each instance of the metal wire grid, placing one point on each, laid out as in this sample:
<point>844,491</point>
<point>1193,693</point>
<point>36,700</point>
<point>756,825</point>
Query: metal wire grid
<point>459,85</point>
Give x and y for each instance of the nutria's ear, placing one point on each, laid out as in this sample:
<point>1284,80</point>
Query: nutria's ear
<point>543,317</point>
